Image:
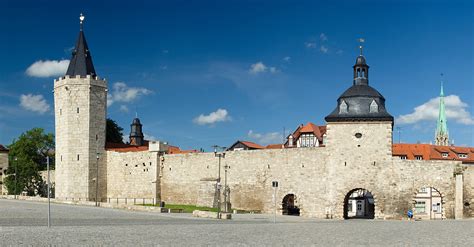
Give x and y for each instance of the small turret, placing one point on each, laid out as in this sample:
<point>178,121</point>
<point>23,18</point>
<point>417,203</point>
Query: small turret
<point>136,134</point>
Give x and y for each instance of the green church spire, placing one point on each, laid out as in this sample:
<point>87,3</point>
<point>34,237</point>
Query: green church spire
<point>442,135</point>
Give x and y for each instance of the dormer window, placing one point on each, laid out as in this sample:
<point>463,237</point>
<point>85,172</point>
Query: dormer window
<point>444,155</point>
<point>374,107</point>
<point>308,140</point>
<point>343,107</point>
<point>462,156</point>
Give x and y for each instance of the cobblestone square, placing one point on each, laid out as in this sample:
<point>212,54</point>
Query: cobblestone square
<point>24,223</point>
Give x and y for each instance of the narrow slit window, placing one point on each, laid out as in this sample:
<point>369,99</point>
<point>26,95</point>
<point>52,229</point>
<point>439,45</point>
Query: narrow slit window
<point>78,157</point>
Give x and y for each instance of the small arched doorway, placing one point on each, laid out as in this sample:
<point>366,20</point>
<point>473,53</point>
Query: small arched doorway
<point>288,205</point>
<point>359,204</point>
<point>428,204</point>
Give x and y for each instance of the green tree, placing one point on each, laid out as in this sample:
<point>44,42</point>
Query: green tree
<point>27,157</point>
<point>114,132</point>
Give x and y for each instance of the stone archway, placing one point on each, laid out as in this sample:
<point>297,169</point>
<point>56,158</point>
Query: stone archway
<point>288,205</point>
<point>359,204</point>
<point>428,203</point>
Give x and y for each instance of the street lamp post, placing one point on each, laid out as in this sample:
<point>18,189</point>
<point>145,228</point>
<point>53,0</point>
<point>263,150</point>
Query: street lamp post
<point>97,180</point>
<point>49,194</point>
<point>16,175</point>
<point>218,184</point>
<point>226,190</point>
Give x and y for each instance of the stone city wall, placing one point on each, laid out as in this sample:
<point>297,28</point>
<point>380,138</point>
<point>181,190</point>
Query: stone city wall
<point>468,191</point>
<point>320,188</point>
<point>132,175</point>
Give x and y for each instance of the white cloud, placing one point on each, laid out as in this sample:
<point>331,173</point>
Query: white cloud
<point>323,37</point>
<point>220,115</point>
<point>265,139</point>
<point>35,103</point>
<point>124,108</point>
<point>310,45</point>
<point>287,59</point>
<point>123,93</point>
<point>324,49</point>
<point>47,68</point>
<point>456,110</point>
<point>259,67</point>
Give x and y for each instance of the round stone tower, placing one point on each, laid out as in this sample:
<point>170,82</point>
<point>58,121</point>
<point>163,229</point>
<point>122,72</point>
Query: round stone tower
<point>80,104</point>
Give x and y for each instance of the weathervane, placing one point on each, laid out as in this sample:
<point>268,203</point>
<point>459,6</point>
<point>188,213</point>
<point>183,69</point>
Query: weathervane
<point>361,40</point>
<point>81,19</point>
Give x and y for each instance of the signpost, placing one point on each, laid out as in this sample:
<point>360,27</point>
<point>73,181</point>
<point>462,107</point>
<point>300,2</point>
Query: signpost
<point>49,194</point>
<point>275,186</point>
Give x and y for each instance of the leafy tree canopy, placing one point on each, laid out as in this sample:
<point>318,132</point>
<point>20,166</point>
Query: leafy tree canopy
<point>114,132</point>
<point>27,157</point>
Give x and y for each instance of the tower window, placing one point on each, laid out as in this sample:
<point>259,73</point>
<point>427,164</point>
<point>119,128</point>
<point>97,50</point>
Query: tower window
<point>374,107</point>
<point>78,157</point>
<point>60,111</point>
<point>343,107</point>
<point>78,110</point>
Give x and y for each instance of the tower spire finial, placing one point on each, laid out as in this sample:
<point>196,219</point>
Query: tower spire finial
<point>81,20</point>
<point>361,41</point>
<point>442,90</point>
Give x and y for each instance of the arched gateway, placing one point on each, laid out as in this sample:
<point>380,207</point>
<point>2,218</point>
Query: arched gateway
<point>359,204</point>
<point>288,205</point>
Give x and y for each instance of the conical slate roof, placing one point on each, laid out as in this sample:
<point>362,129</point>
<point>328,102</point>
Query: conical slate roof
<point>360,102</point>
<point>81,61</point>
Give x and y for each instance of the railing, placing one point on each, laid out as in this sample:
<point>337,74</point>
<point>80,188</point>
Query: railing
<point>117,201</point>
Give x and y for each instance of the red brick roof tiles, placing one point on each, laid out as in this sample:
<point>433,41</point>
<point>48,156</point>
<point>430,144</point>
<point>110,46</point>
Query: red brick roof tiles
<point>274,146</point>
<point>433,152</point>
<point>252,145</point>
<point>122,147</point>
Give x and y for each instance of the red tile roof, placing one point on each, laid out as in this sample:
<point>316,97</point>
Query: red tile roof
<point>177,150</point>
<point>318,131</point>
<point>433,152</point>
<point>3,149</point>
<point>274,146</point>
<point>122,147</point>
<point>252,145</point>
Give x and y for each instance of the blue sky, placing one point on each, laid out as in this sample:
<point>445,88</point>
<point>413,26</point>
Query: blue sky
<point>213,72</point>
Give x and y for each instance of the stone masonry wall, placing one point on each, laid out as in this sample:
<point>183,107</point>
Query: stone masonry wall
<point>80,110</point>
<point>468,191</point>
<point>3,168</point>
<point>320,189</point>
<point>132,175</point>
